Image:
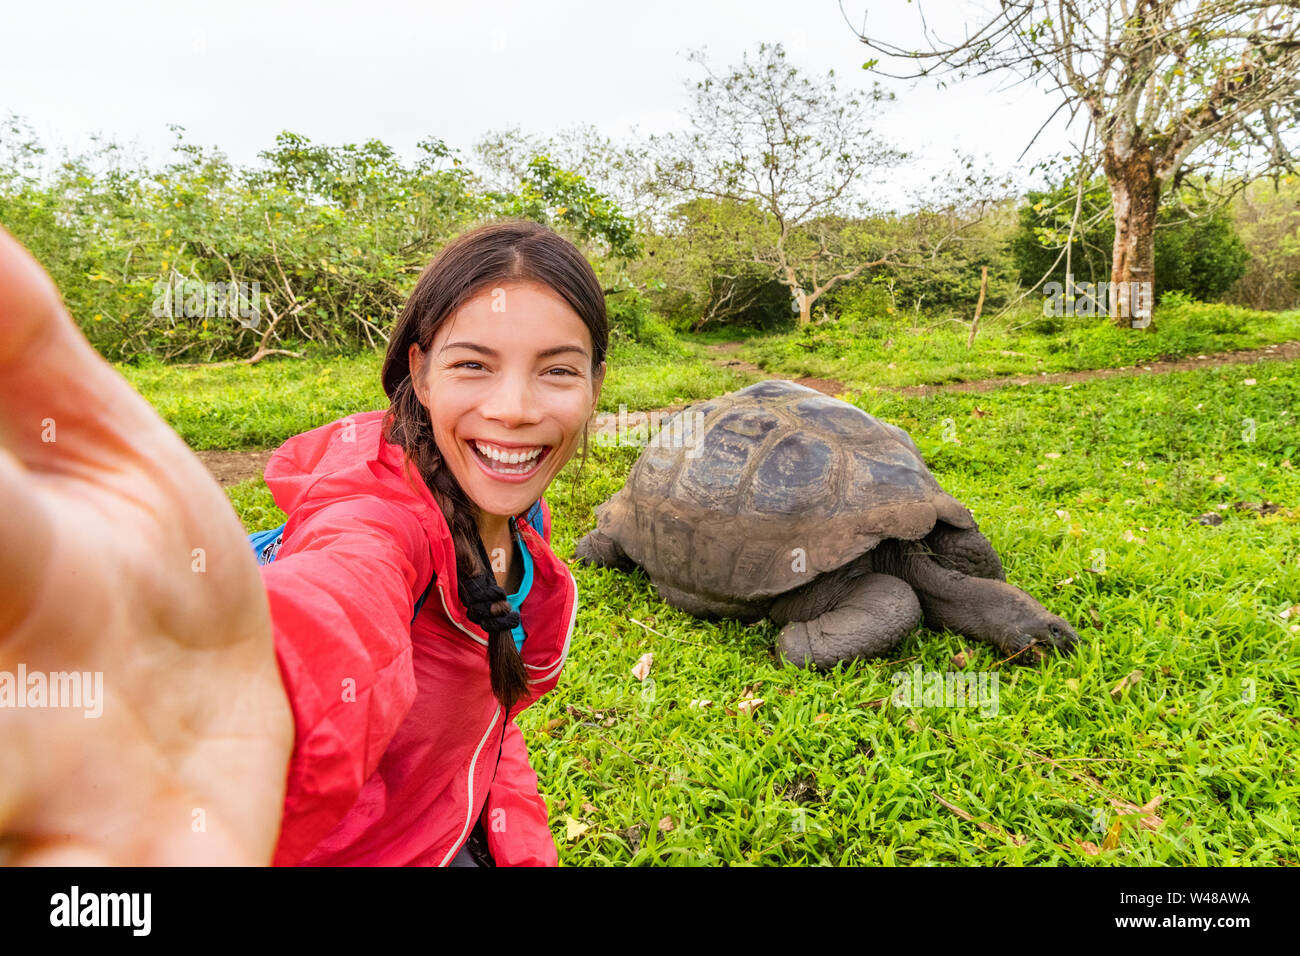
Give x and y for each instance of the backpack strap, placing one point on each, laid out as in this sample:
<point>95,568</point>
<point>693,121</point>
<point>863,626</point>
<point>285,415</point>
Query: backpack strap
<point>536,518</point>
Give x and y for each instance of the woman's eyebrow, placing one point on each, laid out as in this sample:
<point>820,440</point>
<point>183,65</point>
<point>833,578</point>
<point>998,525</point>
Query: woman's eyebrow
<point>492,353</point>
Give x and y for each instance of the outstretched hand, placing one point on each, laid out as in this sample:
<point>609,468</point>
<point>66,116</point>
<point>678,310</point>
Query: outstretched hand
<point>122,561</point>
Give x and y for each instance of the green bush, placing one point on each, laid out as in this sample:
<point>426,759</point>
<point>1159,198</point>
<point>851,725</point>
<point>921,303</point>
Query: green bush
<point>1205,317</point>
<point>1201,257</point>
<point>632,319</point>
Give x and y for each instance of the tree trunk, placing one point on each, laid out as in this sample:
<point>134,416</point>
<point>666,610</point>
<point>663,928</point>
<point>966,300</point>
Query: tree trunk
<point>1135,196</point>
<point>805,308</point>
<point>979,306</point>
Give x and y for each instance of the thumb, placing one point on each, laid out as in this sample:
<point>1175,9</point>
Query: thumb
<point>63,409</point>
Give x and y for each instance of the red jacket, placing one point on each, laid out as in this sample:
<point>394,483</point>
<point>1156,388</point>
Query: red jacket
<point>399,743</point>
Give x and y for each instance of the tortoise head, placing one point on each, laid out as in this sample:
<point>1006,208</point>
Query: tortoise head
<point>1018,622</point>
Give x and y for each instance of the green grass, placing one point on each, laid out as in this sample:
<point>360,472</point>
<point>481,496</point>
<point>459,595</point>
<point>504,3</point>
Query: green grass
<point>886,350</point>
<point>1105,531</point>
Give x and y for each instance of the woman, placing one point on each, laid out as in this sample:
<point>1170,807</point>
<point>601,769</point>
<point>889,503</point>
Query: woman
<point>294,713</point>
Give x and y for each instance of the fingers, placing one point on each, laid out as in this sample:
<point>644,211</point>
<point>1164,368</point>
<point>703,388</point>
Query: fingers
<point>62,407</point>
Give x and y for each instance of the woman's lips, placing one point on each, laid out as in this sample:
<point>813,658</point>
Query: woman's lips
<point>509,476</point>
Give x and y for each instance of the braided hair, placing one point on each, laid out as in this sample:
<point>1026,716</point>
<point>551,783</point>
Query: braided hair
<point>493,253</point>
<point>484,599</point>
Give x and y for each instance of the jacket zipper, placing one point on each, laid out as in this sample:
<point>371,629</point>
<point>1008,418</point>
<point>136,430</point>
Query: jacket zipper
<point>469,822</point>
<point>501,741</point>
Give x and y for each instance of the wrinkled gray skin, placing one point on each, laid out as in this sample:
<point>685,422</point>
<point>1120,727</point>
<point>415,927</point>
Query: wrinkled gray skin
<point>936,571</point>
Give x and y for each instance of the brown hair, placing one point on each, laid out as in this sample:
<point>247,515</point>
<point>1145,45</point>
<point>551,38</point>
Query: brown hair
<point>484,257</point>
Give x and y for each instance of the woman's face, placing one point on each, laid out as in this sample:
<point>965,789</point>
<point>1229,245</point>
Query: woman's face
<point>508,373</point>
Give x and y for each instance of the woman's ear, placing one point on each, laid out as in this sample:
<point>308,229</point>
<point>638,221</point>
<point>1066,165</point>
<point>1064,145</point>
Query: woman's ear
<point>415,358</point>
<point>599,380</point>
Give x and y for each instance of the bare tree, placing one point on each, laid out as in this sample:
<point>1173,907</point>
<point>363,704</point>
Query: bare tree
<point>1169,87</point>
<point>766,134</point>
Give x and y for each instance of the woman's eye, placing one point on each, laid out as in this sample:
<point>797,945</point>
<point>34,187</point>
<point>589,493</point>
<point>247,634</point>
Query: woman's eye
<point>477,365</point>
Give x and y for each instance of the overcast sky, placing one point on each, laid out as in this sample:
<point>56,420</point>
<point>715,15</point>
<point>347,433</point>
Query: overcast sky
<point>235,73</point>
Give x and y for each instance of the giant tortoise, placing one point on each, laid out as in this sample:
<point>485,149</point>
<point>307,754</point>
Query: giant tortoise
<point>792,505</point>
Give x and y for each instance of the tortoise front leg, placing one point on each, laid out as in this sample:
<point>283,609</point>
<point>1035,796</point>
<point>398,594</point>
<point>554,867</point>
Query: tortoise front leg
<point>980,608</point>
<point>836,619</point>
<point>965,550</point>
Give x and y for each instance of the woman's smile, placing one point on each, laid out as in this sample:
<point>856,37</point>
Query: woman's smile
<point>512,463</point>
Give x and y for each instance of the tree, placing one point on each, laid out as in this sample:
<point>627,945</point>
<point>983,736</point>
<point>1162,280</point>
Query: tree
<point>551,195</point>
<point>1197,249</point>
<point>766,135</point>
<point>1168,87</point>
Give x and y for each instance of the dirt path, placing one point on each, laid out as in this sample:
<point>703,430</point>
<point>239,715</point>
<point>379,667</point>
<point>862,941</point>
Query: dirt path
<point>1282,352</point>
<point>231,467</point>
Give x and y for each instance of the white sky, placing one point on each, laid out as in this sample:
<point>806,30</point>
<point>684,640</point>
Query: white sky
<point>237,72</point>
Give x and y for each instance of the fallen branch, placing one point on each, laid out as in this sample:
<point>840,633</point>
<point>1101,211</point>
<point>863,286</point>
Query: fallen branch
<point>1012,838</point>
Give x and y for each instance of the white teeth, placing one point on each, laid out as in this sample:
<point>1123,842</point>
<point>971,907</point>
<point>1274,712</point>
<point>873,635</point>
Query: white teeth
<point>507,458</point>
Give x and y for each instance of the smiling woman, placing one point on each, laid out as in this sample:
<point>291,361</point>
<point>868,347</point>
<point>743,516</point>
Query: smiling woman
<point>493,372</point>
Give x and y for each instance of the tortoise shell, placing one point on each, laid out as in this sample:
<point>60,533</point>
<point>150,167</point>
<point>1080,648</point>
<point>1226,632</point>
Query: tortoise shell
<point>747,495</point>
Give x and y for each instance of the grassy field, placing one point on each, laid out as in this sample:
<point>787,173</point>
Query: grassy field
<point>1184,692</point>
<point>884,350</point>
<point>236,407</point>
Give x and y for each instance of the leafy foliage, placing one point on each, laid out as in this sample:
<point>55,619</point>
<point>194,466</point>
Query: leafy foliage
<point>324,242</point>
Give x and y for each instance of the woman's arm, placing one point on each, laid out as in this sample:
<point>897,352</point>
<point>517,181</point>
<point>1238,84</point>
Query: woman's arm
<point>341,591</point>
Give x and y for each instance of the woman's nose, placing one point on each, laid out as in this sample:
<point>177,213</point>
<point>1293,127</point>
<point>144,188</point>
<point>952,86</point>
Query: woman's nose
<point>512,402</point>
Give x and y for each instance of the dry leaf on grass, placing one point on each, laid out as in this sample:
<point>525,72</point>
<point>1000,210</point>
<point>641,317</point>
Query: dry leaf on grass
<point>1148,818</point>
<point>574,828</point>
<point>1112,837</point>
<point>641,670</point>
<point>1015,838</point>
<point>1126,683</point>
